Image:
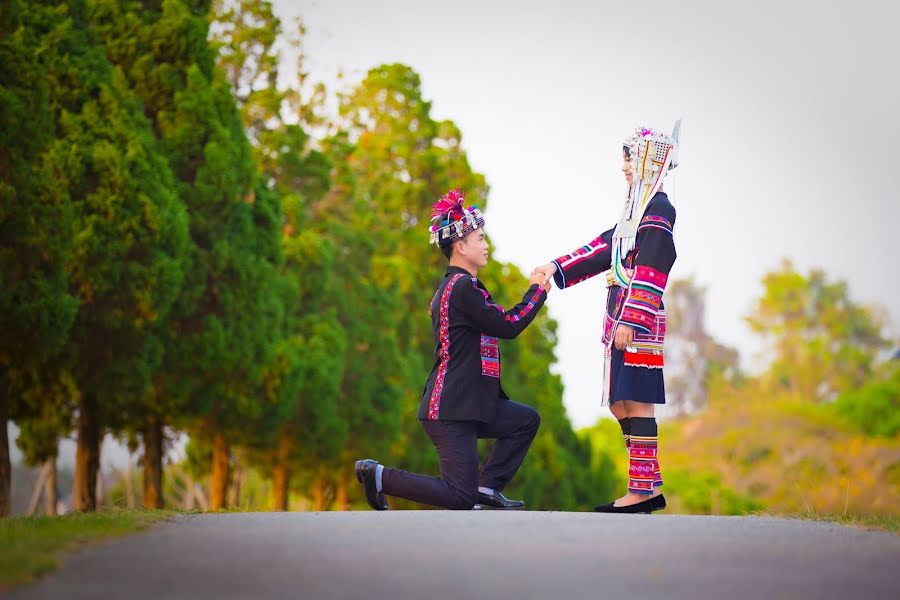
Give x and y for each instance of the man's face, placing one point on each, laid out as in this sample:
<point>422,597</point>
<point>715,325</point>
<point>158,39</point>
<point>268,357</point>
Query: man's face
<point>475,248</point>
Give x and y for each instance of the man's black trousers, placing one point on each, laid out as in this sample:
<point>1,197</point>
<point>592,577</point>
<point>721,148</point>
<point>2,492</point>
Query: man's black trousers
<point>456,443</point>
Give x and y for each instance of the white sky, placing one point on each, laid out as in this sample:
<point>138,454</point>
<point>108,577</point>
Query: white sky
<point>790,113</point>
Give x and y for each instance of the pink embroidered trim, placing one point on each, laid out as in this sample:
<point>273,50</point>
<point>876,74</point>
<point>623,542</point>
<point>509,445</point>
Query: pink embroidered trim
<point>434,404</point>
<point>509,316</point>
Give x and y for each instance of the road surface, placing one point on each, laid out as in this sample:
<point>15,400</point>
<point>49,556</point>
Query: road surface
<point>436,555</point>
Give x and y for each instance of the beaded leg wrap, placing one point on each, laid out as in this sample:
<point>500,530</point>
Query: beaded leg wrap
<point>625,424</point>
<point>643,465</point>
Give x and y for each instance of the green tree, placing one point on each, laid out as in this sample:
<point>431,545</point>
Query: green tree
<point>300,427</point>
<point>223,326</point>
<point>36,220</point>
<point>822,343</point>
<point>401,160</point>
<point>128,228</point>
<point>874,408</point>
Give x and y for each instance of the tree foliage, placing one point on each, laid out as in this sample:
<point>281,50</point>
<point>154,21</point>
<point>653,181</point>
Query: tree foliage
<point>190,244</point>
<point>820,341</point>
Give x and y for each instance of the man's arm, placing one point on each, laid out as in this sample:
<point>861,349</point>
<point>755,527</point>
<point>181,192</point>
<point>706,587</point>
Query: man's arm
<point>491,318</point>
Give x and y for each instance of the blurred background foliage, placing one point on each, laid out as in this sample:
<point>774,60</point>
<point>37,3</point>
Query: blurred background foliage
<point>193,249</point>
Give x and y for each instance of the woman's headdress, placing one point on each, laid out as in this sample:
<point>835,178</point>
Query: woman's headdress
<point>653,154</point>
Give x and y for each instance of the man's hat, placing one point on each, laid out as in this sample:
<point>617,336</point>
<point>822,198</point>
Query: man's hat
<point>450,221</point>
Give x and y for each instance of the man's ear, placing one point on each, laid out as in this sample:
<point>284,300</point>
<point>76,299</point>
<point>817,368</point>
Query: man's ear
<point>460,246</point>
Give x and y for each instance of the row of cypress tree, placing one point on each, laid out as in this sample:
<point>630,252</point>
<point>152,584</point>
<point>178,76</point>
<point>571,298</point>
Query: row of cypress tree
<point>189,246</point>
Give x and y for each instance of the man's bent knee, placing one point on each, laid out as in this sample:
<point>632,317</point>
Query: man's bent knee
<point>464,500</point>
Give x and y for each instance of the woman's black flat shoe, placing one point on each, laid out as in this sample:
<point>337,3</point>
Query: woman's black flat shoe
<point>642,508</point>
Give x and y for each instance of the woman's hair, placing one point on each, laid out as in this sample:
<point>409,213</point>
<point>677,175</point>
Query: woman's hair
<point>627,151</point>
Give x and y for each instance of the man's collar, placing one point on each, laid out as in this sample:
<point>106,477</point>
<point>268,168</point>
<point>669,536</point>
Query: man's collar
<point>453,270</point>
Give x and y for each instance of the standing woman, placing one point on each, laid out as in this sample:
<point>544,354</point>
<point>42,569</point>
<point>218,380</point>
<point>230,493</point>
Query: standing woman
<point>637,255</point>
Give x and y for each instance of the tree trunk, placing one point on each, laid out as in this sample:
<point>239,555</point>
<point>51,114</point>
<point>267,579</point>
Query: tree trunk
<point>37,490</point>
<point>189,493</point>
<point>5,469</point>
<point>153,450</point>
<point>101,489</point>
<point>237,478</point>
<point>340,495</point>
<point>318,494</point>
<point>281,478</point>
<point>51,494</point>
<point>87,459</point>
<point>200,495</point>
<point>128,478</point>
<point>218,486</point>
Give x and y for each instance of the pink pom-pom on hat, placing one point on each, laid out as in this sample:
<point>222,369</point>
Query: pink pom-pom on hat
<point>451,221</point>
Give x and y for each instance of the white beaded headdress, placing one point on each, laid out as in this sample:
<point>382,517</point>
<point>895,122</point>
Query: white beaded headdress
<point>652,154</point>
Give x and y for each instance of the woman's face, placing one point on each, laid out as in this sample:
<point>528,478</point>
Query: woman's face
<point>626,168</point>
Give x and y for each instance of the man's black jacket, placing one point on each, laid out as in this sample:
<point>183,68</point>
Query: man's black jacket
<point>464,384</point>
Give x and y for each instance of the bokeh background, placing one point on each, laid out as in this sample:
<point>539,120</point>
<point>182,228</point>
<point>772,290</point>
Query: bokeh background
<point>216,270</point>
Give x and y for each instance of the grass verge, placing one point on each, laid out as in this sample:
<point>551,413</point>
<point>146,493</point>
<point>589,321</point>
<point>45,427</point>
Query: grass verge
<point>878,523</point>
<point>33,546</point>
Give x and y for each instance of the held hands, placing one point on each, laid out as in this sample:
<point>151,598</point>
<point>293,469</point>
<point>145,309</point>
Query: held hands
<point>541,276</point>
<point>624,336</point>
<point>537,278</point>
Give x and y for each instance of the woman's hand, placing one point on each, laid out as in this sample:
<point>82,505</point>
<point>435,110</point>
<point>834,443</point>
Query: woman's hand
<point>624,336</point>
<point>547,271</point>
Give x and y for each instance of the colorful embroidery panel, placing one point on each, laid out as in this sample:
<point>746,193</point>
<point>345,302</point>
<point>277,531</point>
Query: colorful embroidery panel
<point>490,356</point>
<point>434,404</point>
<point>644,298</point>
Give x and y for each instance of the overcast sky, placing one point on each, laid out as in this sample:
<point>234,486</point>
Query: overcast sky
<point>790,125</point>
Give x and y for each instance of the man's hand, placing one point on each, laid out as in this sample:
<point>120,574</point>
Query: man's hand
<point>538,278</point>
<point>547,270</point>
<point>624,336</point>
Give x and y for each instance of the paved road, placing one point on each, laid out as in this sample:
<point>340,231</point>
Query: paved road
<point>434,555</point>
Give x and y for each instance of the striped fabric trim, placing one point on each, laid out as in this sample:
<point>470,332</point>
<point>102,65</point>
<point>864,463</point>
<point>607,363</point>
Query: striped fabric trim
<point>579,255</point>
<point>644,298</point>
<point>643,465</point>
<point>511,317</point>
<point>655,222</point>
<point>490,356</point>
<point>434,404</point>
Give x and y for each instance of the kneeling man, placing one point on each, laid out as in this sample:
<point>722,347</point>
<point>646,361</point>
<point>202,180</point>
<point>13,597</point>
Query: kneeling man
<point>463,400</point>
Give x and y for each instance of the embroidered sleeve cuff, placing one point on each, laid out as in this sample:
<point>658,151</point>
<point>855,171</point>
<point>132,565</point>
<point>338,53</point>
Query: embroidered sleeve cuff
<point>637,319</point>
<point>559,278</point>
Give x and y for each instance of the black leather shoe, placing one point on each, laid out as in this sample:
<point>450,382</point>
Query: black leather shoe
<point>365,473</point>
<point>498,501</point>
<point>643,508</point>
